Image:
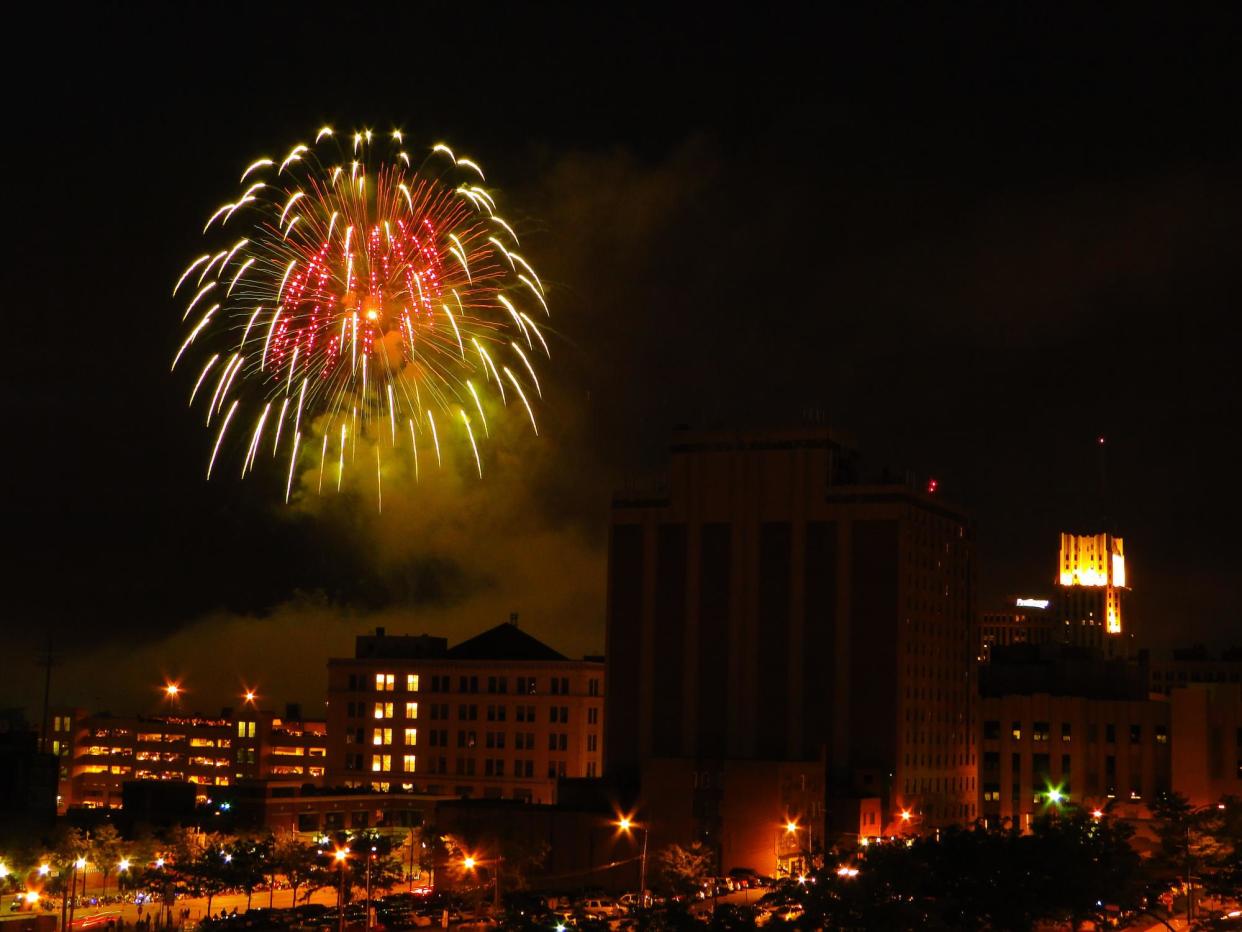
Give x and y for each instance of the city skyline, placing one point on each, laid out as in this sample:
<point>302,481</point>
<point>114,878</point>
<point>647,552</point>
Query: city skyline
<point>976,278</point>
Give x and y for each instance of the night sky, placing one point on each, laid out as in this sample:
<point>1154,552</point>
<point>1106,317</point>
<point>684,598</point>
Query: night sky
<point>975,242</point>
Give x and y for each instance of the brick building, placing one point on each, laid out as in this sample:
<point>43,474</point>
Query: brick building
<point>501,715</point>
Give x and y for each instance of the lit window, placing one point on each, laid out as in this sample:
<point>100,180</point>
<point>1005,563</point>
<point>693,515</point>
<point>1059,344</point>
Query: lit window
<point>383,710</point>
<point>411,710</point>
<point>408,763</point>
<point>411,682</point>
<point>381,763</point>
<point>381,736</point>
<point>385,682</point>
<point>411,736</point>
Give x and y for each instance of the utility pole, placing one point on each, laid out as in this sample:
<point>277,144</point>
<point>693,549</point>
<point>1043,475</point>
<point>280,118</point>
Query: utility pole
<point>47,693</point>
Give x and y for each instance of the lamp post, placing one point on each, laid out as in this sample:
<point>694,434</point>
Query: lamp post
<point>625,823</point>
<point>370,858</point>
<point>79,864</point>
<point>341,855</point>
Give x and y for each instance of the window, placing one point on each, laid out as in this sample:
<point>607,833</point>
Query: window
<point>1110,734</point>
<point>1162,734</point>
<point>593,687</point>
<point>411,682</point>
<point>991,731</point>
<point>381,736</point>
<point>411,710</point>
<point>245,729</point>
<point>551,742</point>
<point>385,682</point>
<point>991,792</point>
<point>562,743</point>
<point>407,763</point>
<point>1066,734</point>
<point>411,737</point>
<point>593,716</point>
<point>381,763</point>
<point>1136,734</point>
<point>564,715</point>
<point>1016,731</point>
<point>383,710</point>
<point>1039,731</point>
<point>991,760</point>
<point>591,739</point>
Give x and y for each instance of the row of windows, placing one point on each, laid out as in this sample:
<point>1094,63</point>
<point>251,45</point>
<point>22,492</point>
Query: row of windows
<point>443,683</point>
<point>1041,732</point>
<point>440,712</point>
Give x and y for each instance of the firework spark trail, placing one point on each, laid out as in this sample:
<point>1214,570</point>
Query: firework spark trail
<point>343,268</point>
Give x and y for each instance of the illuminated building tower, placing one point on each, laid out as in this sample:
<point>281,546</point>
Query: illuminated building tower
<point>1091,582</point>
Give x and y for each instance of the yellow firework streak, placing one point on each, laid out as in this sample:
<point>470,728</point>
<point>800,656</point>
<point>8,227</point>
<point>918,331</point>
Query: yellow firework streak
<point>341,287</point>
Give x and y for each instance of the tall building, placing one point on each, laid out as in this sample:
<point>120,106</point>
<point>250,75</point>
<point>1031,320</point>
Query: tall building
<point>501,715</point>
<point>771,603</point>
<point>1091,585</point>
<point>99,753</point>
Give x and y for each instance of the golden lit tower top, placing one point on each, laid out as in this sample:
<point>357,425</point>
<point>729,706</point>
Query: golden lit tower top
<point>1097,561</point>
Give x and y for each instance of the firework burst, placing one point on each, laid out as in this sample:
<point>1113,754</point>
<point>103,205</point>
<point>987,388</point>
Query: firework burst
<point>355,293</point>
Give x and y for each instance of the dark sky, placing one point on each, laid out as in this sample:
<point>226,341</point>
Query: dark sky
<point>977,241</point>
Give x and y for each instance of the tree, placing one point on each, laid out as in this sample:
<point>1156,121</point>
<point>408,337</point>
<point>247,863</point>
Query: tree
<point>685,869</point>
<point>106,848</point>
<point>302,865</point>
<point>210,869</point>
<point>246,863</point>
<point>1217,841</point>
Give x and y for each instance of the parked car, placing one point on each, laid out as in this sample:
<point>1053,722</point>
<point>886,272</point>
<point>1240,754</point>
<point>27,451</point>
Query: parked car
<point>598,907</point>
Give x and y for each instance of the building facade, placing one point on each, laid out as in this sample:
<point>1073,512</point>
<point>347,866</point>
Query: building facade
<point>1168,670</point>
<point>1207,724</point>
<point>99,753</point>
<point>1028,621</point>
<point>501,715</point>
<point>770,603</point>
<point>1040,751</point>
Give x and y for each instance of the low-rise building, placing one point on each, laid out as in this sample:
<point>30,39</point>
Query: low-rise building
<point>98,752</point>
<point>1167,670</point>
<point>1028,620</point>
<point>1067,729</point>
<point>501,715</point>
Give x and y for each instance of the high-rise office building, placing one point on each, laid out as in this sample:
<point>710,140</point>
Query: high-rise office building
<point>772,603</point>
<point>1091,585</point>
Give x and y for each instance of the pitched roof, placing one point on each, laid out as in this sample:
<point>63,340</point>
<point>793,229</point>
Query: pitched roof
<point>503,642</point>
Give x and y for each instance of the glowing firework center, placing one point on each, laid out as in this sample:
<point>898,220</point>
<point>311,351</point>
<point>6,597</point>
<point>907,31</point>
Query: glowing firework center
<point>367,297</point>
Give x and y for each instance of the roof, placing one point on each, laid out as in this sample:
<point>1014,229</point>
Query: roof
<point>504,642</point>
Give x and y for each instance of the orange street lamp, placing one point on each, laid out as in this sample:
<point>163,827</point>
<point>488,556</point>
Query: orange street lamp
<point>249,696</point>
<point>341,855</point>
<point>625,823</point>
<point>468,863</point>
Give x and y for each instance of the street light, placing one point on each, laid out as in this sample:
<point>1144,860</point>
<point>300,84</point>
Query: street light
<point>249,696</point>
<point>625,823</point>
<point>44,870</point>
<point>123,864</point>
<point>341,855</point>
